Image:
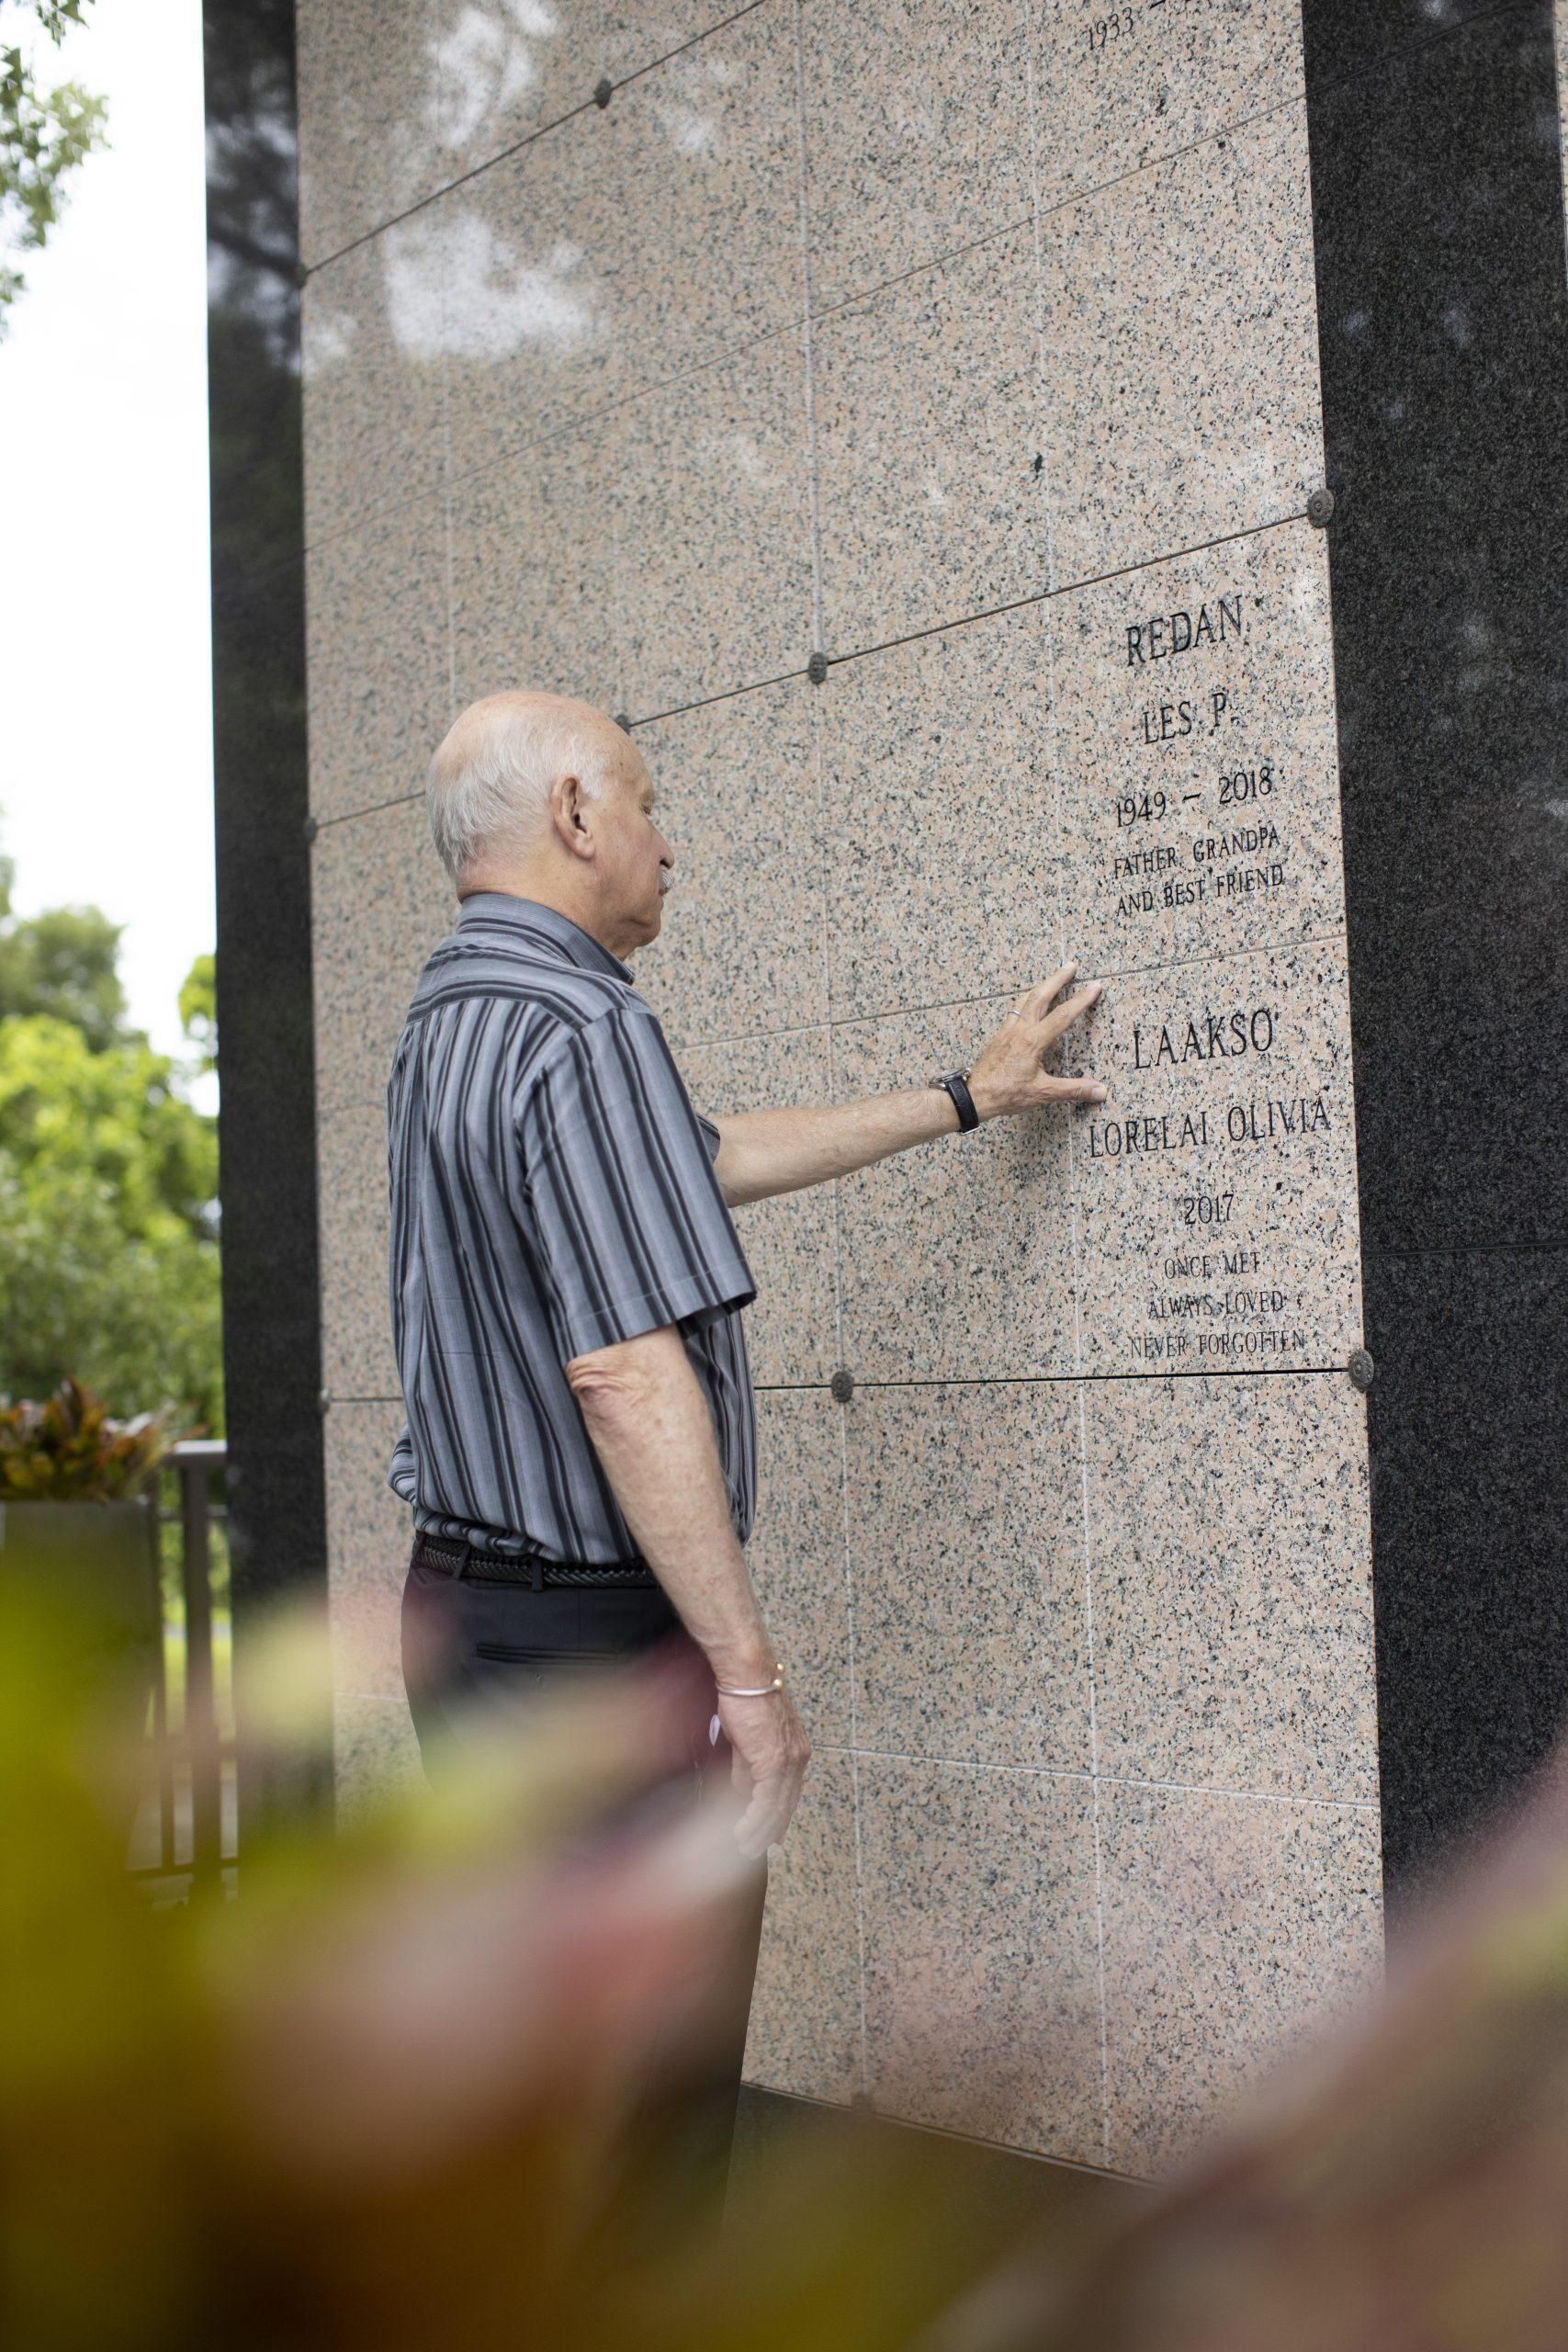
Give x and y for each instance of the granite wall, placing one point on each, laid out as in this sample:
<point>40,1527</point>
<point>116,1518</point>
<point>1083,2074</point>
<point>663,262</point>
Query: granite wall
<point>907,417</point>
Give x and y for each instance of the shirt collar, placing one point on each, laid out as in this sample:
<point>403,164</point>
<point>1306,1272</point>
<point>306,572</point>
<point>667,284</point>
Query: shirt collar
<point>526,914</point>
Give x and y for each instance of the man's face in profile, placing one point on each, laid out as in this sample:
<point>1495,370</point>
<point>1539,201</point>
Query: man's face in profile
<point>635,858</point>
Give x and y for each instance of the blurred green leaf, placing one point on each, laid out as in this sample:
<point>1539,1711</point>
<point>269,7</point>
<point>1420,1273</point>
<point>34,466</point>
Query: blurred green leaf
<point>45,134</point>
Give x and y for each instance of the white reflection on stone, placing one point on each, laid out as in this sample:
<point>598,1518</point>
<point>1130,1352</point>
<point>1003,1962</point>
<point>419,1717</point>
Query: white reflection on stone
<point>1306,603</point>
<point>456,285</point>
<point>413,270</point>
<point>689,130</point>
<point>328,338</point>
<point>486,61</point>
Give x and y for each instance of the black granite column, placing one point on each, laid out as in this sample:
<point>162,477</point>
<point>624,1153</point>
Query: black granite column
<point>1443,314</point>
<point>271,1294</point>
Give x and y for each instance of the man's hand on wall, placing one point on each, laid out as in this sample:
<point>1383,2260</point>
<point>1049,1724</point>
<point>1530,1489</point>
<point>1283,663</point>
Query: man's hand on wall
<point>771,1753</point>
<point>1011,1075</point>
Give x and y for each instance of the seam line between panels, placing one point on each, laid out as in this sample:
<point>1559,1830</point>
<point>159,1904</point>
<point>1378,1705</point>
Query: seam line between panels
<point>1065,588</point>
<point>380,512</point>
<point>989,1379</point>
<point>1093,1720</point>
<point>992,612</point>
<point>446,516</point>
<point>866,294</point>
<point>878,1013</point>
<point>725,356</point>
<point>968,2139</point>
<point>566,428</point>
<point>1048,501</point>
<point>1242,1796</point>
<point>505,155</point>
<point>1112,1780</point>
<point>1075,1266</point>
<point>448,187</point>
<point>1078,195</point>
<point>874,287</point>
<point>375,807</point>
<point>1189,147</point>
<point>813,486</point>
<point>825,898</point>
<point>860,1917</point>
<point>838,1279</point>
<point>852,1662</point>
<point>891,644</point>
<point>874,1015</point>
<point>692,42</point>
<point>1057,1379</point>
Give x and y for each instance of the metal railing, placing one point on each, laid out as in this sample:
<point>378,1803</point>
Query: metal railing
<point>186,1829</point>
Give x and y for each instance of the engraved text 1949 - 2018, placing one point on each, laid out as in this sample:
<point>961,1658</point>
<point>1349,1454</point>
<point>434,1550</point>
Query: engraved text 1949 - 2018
<point>1245,853</point>
<point>1196,747</point>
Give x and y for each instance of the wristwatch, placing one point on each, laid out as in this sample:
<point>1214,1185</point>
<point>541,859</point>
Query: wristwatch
<point>956,1084</point>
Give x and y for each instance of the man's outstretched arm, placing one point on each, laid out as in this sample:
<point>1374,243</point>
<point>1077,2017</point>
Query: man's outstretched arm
<point>766,1152</point>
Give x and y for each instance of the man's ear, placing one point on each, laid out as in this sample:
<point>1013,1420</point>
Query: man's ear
<point>569,816</point>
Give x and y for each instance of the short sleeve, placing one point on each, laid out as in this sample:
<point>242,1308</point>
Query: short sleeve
<point>402,1475</point>
<point>619,1195</point>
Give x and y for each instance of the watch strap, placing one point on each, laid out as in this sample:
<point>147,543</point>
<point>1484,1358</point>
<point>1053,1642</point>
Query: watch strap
<point>955,1084</point>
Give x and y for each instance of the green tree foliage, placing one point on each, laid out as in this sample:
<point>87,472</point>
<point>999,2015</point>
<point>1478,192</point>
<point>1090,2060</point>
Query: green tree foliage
<point>109,1181</point>
<point>44,135</point>
<point>198,1010</point>
<point>63,963</point>
<point>107,1242</point>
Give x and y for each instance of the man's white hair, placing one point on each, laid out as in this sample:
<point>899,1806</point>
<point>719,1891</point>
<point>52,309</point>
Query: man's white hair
<point>491,780</point>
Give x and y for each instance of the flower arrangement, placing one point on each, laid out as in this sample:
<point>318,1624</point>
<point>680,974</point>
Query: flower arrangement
<point>68,1449</point>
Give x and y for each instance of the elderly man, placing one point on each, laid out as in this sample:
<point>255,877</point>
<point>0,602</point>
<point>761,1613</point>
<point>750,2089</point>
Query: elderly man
<point>567,1282</point>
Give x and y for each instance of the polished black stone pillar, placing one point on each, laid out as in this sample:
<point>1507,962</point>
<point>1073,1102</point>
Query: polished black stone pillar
<point>1443,320</point>
<point>266,1130</point>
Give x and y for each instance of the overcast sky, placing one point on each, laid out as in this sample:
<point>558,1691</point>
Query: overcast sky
<point>105,750</point>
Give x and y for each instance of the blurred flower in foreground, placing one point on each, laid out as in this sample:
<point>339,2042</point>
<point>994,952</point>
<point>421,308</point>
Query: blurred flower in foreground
<point>424,2083</point>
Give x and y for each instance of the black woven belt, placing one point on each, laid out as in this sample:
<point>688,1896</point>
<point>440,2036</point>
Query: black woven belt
<point>452,1559</point>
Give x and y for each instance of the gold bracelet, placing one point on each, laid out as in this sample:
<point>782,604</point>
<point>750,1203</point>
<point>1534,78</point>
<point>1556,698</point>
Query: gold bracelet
<point>768,1689</point>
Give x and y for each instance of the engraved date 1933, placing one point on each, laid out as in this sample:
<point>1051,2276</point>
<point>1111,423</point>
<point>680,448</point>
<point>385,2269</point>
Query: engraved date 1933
<point>1103,32</point>
<point>1120,26</point>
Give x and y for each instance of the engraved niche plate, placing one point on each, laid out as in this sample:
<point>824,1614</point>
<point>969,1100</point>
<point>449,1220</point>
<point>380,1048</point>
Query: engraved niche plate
<point>1216,1188</point>
<point>1196,744</point>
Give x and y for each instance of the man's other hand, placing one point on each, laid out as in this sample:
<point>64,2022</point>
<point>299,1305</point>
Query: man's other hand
<point>1011,1075</point>
<point>771,1753</point>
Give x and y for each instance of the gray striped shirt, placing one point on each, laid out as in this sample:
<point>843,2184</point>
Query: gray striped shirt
<point>552,1192</point>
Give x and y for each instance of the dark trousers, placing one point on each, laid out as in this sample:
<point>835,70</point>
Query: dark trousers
<point>469,1644</point>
